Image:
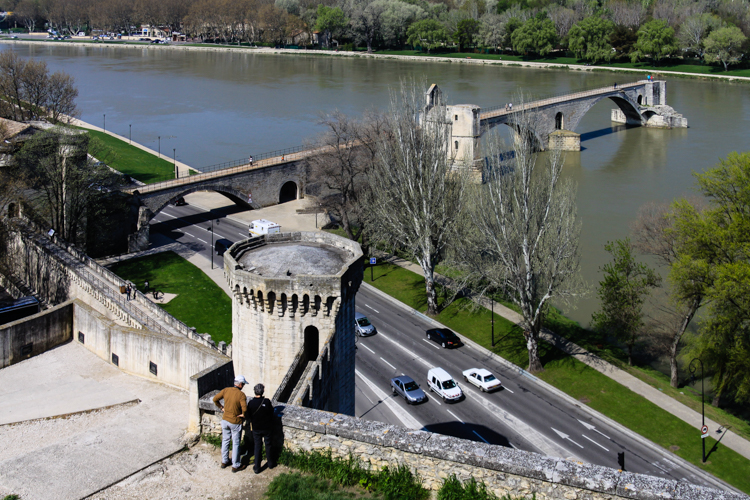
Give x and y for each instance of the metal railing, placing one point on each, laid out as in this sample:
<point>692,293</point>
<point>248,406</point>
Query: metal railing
<point>260,157</point>
<point>563,96</point>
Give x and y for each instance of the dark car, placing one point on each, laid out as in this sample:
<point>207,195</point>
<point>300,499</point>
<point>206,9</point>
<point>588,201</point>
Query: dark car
<point>410,390</point>
<point>222,245</point>
<point>444,337</point>
<point>180,202</point>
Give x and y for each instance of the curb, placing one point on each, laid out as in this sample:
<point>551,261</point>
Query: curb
<point>709,478</point>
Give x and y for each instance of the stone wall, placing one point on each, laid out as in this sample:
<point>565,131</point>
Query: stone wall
<point>435,457</point>
<point>35,334</point>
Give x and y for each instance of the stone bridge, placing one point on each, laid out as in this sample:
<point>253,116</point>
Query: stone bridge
<point>641,103</point>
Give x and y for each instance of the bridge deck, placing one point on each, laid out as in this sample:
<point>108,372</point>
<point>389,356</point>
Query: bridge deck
<point>499,111</point>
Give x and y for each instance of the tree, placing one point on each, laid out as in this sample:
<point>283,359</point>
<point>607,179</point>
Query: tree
<point>491,30</point>
<point>622,292</point>
<point>622,40</point>
<point>624,13</point>
<point>725,45</point>
<point>428,34</point>
<point>367,20</point>
<point>331,21</point>
<point>397,18</point>
<point>694,29</point>
<point>511,26</point>
<point>56,163</point>
<point>29,12</point>
<point>564,19</point>
<point>655,39</point>
<point>417,196</point>
<point>716,241</point>
<point>589,39</point>
<point>537,35</point>
<point>466,33</point>
<point>527,229</point>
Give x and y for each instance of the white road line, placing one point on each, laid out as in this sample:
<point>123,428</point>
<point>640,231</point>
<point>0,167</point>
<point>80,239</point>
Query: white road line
<point>512,445</point>
<point>165,213</point>
<point>243,235</point>
<point>433,345</point>
<point>655,464</point>
<point>201,240</point>
<point>506,389</point>
<point>185,232</point>
<point>410,353</point>
<point>373,309</point>
<point>480,437</point>
<point>455,416</point>
<point>409,421</point>
<point>435,399</point>
<point>367,348</point>
<point>387,363</point>
<point>600,446</point>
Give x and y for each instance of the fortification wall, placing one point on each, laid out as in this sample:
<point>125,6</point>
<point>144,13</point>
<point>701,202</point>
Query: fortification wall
<point>505,471</point>
<point>35,334</point>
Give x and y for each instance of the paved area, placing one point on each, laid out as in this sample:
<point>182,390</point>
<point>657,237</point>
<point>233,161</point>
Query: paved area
<point>78,455</point>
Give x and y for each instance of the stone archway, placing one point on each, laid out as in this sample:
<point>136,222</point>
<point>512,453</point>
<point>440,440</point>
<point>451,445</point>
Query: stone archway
<point>640,100</point>
<point>312,339</point>
<point>288,192</point>
<point>559,121</point>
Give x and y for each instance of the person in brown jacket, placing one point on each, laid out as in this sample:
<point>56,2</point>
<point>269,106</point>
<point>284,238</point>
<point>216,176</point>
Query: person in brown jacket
<point>234,408</point>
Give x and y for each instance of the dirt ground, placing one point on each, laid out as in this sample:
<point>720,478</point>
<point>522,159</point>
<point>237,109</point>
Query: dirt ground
<point>192,474</point>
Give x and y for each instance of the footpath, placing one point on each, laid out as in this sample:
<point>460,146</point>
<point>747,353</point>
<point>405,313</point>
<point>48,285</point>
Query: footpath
<point>688,415</point>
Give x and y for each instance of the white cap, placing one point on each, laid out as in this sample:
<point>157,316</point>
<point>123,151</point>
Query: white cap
<point>240,379</point>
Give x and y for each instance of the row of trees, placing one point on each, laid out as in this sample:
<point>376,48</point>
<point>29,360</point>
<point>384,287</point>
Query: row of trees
<point>593,30</point>
<point>703,246</point>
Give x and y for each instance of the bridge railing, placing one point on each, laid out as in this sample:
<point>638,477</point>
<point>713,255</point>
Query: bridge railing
<point>574,95</point>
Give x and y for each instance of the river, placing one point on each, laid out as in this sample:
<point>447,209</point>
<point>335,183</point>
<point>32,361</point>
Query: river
<point>212,107</point>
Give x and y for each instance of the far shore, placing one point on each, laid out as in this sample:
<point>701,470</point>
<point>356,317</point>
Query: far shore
<point>450,60</point>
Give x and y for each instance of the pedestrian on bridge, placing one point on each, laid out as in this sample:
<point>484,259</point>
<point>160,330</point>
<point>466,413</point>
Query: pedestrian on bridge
<point>129,290</point>
<point>145,287</point>
<point>615,85</point>
<point>251,160</point>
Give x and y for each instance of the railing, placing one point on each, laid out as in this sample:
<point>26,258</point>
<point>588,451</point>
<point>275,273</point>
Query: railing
<point>563,96</point>
<point>246,160</point>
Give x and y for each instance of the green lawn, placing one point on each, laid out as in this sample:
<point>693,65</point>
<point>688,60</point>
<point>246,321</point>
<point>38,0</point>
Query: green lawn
<point>200,302</point>
<point>576,379</point>
<point>133,161</point>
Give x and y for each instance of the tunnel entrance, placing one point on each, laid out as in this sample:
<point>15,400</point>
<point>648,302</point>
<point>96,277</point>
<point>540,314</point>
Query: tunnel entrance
<point>288,192</point>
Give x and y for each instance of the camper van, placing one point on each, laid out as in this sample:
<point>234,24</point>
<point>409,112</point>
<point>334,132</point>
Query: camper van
<point>263,226</point>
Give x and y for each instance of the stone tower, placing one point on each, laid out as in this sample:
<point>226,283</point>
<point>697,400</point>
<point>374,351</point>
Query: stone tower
<point>293,293</point>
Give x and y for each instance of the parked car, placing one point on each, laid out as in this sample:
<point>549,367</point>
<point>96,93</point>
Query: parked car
<point>483,379</point>
<point>180,202</point>
<point>444,337</point>
<point>222,245</point>
<point>410,390</point>
<point>362,325</point>
<point>442,384</point>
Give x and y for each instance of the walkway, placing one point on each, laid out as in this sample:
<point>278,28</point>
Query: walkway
<point>102,442</point>
<point>688,415</point>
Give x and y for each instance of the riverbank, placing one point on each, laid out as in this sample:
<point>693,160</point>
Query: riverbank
<point>432,59</point>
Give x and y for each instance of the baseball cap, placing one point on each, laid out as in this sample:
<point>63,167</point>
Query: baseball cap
<point>240,379</point>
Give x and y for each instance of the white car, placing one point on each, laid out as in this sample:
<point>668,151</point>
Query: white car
<point>483,379</point>
<point>440,382</point>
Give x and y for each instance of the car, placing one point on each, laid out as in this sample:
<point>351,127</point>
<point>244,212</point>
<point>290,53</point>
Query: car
<point>180,202</point>
<point>444,337</point>
<point>410,390</point>
<point>362,325</point>
<point>441,383</point>
<point>483,379</point>
<point>222,245</point>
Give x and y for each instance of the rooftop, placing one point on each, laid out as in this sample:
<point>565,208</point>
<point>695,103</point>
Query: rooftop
<point>295,258</point>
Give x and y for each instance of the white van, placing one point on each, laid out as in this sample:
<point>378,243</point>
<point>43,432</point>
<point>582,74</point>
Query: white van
<point>263,226</point>
<point>442,384</point>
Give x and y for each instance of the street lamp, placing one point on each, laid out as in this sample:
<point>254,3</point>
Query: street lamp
<point>105,122</point>
<point>174,162</point>
<point>692,369</point>
<point>492,312</point>
<point>130,133</point>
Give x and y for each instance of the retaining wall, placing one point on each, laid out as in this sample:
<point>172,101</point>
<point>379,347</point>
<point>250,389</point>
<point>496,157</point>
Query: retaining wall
<point>435,457</point>
<point>35,334</point>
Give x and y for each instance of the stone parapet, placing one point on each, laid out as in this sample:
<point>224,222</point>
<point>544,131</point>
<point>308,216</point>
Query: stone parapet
<point>435,457</point>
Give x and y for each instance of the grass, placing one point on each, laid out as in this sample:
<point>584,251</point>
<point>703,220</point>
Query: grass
<point>133,161</point>
<point>170,273</point>
<point>576,379</point>
<point>295,486</point>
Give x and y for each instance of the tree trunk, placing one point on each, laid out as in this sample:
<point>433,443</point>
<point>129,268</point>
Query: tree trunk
<point>432,305</point>
<point>673,381</point>
<point>532,344</point>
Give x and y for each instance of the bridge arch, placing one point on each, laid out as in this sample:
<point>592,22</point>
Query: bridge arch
<point>234,195</point>
<point>623,101</point>
<point>289,192</point>
<point>559,121</point>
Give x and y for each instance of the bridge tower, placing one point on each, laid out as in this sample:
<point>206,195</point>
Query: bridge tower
<point>293,296</point>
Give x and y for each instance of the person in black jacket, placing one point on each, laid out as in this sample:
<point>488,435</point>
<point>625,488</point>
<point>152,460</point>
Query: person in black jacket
<point>260,414</point>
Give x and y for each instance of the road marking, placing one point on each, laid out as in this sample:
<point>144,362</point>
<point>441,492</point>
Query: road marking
<point>373,309</point>
<point>185,232</point>
<point>592,428</point>
<point>201,240</point>
<point>655,464</point>
<point>413,355</point>
<point>480,437</point>
<point>512,445</point>
<point>456,417</point>
<point>600,446</point>
<point>565,436</point>
<point>506,389</point>
<point>367,348</point>
<point>433,345</point>
<point>406,419</point>
<point>387,363</point>
<point>165,213</point>
<point>243,235</point>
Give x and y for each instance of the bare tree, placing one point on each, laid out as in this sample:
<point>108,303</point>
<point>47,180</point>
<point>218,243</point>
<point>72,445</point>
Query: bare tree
<point>654,235</point>
<point>624,13</point>
<point>695,29</point>
<point>527,228</point>
<point>418,198</point>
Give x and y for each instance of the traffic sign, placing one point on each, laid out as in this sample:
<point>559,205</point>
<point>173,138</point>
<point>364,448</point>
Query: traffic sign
<point>704,431</point>
<point>373,261</point>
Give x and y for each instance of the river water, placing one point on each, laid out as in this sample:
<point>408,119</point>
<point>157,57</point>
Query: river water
<point>217,106</point>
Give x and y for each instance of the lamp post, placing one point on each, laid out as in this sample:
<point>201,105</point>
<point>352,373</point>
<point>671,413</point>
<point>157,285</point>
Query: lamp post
<point>105,122</point>
<point>159,137</point>
<point>692,369</point>
<point>130,133</point>
<point>174,158</point>
<point>492,309</point>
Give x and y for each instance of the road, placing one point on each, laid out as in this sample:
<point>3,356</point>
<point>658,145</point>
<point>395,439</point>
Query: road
<point>524,415</point>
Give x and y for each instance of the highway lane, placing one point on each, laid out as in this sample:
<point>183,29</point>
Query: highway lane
<point>523,415</point>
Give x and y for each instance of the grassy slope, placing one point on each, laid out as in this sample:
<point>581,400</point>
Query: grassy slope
<point>200,303</point>
<point>571,376</point>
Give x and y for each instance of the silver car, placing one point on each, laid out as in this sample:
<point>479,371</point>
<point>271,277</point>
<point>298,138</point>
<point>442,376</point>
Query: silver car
<point>406,387</point>
<point>363,326</point>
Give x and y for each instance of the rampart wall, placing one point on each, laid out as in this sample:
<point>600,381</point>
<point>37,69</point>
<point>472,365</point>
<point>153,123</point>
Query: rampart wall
<point>35,334</point>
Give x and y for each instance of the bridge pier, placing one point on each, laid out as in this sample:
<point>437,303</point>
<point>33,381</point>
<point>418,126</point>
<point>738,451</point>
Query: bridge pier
<point>139,241</point>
